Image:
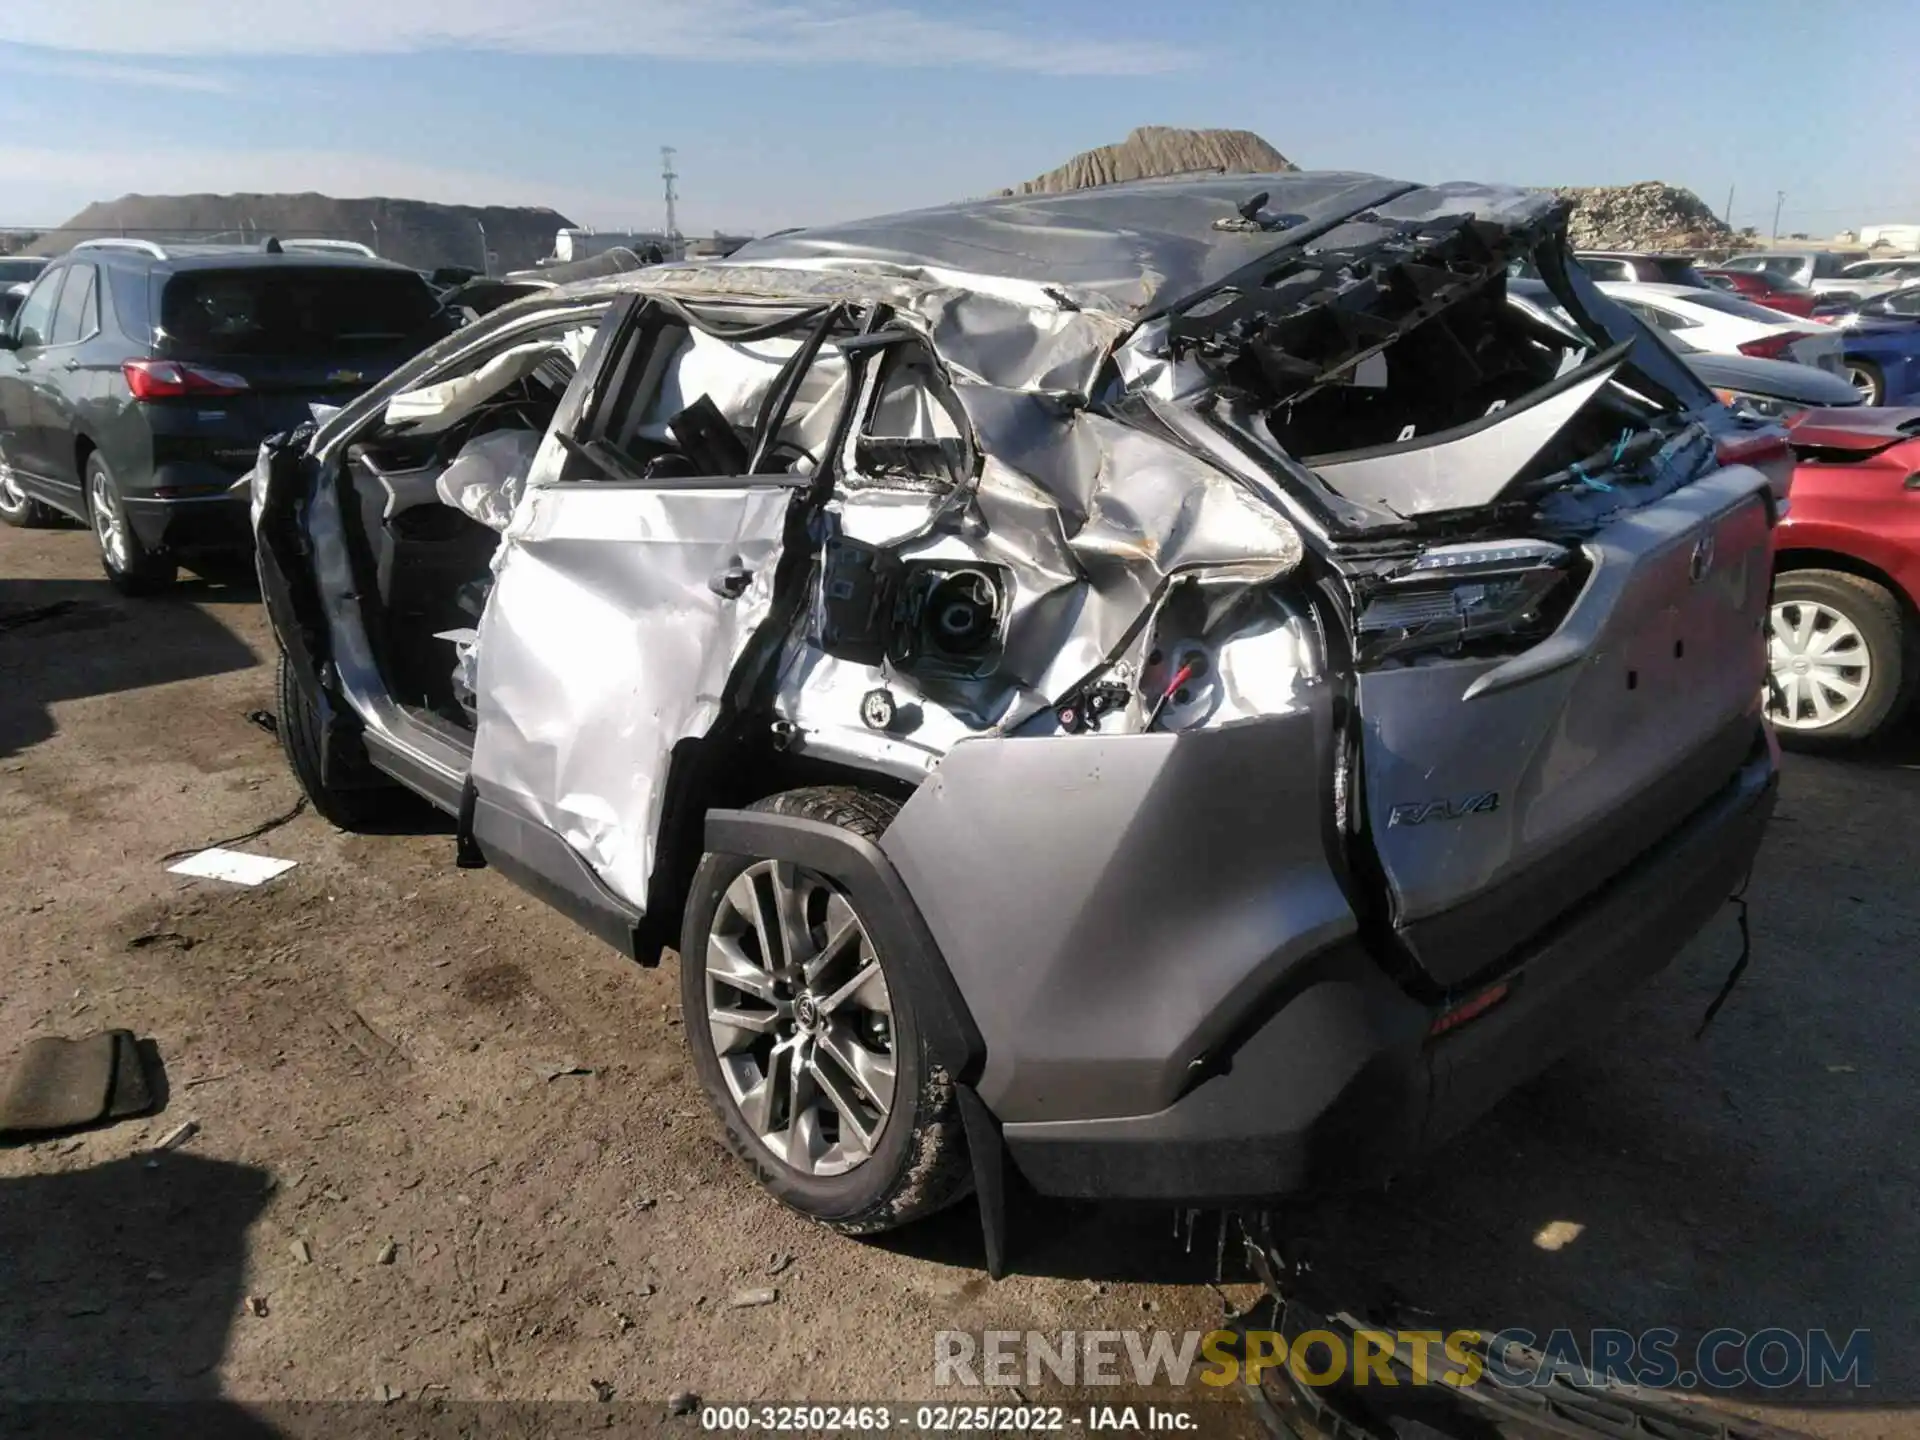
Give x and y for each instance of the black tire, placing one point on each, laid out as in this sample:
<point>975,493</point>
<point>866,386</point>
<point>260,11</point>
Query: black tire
<point>1887,649</point>
<point>298,725</point>
<point>19,509</point>
<point>918,1161</point>
<point>1868,379</point>
<point>131,568</point>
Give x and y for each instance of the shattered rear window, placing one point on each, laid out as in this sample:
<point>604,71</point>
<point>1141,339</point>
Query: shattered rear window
<point>296,312</point>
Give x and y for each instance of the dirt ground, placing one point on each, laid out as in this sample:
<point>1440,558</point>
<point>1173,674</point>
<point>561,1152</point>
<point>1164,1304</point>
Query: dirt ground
<point>389,1164</point>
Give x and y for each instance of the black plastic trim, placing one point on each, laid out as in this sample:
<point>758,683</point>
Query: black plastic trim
<point>540,861</point>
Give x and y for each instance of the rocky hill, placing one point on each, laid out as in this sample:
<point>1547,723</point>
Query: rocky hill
<point>1647,216</point>
<point>1154,150</point>
<point>414,232</point>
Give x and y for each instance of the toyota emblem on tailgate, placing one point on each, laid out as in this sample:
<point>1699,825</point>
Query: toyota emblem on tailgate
<point>1700,563</point>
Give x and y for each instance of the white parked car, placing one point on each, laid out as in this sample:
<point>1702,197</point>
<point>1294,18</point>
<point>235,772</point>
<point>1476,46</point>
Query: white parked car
<point>1896,270</point>
<point>1723,324</point>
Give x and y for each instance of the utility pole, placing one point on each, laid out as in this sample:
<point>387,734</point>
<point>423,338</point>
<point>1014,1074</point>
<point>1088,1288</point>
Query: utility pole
<point>1779,199</point>
<point>1727,219</point>
<point>668,174</point>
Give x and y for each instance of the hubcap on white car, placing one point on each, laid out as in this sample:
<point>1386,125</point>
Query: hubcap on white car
<point>1820,662</point>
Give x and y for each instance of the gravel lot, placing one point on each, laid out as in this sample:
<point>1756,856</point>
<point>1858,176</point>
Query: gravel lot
<point>387,1159</point>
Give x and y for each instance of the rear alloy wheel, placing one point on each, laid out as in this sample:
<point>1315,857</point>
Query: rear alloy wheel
<point>1866,377</point>
<point>131,568</point>
<point>1836,653</point>
<point>17,508</point>
<point>805,1039</point>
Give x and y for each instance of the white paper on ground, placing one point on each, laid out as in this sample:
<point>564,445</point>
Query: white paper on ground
<point>233,865</point>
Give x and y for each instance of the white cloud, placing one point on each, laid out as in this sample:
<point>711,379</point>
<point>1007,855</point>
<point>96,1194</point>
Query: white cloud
<point>866,32</point>
<point>109,72</point>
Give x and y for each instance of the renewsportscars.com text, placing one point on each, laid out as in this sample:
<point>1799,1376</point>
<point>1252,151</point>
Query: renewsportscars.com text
<point>1722,1359</point>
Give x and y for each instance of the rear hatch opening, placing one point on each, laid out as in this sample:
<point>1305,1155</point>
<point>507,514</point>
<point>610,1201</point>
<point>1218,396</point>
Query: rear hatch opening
<point>1547,543</point>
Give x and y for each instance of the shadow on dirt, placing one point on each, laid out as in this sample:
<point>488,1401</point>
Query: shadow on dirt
<point>125,1281</point>
<point>69,639</point>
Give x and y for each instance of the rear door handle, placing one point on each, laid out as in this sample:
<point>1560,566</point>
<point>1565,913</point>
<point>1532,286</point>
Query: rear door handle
<point>72,365</point>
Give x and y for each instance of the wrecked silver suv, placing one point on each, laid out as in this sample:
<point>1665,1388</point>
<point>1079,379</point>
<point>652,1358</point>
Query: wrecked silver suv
<point>1174,691</point>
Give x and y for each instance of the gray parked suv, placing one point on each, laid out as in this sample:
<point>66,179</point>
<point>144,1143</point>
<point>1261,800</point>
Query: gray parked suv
<point>1177,691</point>
<point>137,381</point>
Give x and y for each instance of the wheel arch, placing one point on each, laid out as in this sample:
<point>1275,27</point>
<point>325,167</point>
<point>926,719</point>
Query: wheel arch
<point>1785,562</point>
<point>723,772</point>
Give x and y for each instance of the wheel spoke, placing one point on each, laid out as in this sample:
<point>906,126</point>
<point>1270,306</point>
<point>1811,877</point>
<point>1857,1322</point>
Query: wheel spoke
<point>870,1070</point>
<point>759,1022</point>
<point>757,1103</point>
<point>803,1128</point>
<point>730,965</point>
<point>790,886</point>
<point>1838,634</point>
<point>840,1093</point>
<point>1835,682</point>
<point>843,932</point>
<point>868,978</point>
<point>765,915</point>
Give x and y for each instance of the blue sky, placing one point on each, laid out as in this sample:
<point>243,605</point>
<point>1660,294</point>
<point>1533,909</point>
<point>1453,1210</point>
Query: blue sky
<point>793,111</point>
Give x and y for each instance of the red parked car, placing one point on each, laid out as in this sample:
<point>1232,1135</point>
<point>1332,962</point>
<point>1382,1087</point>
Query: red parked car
<point>1845,622</point>
<point>1763,289</point>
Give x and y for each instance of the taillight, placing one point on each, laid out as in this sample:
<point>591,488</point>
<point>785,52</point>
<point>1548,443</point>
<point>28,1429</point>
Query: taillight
<point>169,380</point>
<point>1770,347</point>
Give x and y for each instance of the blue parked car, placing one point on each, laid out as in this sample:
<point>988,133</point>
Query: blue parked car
<point>1882,340</point>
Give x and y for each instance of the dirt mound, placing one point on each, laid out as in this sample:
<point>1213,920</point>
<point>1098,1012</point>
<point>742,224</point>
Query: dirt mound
<point>1154,150</point>
<point>414,232</point>
<point>1647,216</point>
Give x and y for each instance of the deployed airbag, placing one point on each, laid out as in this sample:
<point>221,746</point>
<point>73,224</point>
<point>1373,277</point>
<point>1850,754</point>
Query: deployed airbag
<point>485,479</point>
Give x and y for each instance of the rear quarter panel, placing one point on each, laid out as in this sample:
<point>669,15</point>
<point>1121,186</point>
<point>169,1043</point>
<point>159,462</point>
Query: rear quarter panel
<point>1863,510</point>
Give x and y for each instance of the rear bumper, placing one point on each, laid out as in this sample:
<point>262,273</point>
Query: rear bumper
<point>191,508</point>
<point>1342,1084</point>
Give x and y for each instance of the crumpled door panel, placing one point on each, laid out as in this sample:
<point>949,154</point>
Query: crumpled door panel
<point>617,615</point>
